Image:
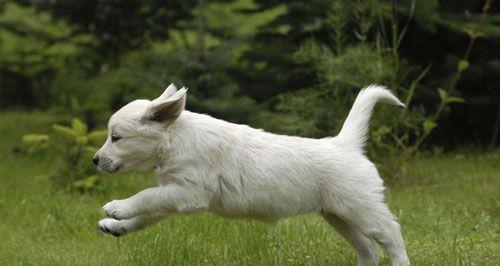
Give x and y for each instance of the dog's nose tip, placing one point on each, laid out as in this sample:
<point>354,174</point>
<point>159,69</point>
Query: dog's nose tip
<point>95,160</point>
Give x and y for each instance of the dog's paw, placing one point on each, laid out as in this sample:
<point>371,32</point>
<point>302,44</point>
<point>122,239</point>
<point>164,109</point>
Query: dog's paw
<point>118,210</point>
<point>111,226</point>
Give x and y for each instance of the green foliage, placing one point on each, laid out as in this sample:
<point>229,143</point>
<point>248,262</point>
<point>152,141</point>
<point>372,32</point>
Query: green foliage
<point>71,149</point>
<point>33,50</point>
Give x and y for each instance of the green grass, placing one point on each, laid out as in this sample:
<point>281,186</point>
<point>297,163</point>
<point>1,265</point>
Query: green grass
<point>448,208</point>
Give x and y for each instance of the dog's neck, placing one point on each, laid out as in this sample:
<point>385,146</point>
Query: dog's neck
<point>195,137</point>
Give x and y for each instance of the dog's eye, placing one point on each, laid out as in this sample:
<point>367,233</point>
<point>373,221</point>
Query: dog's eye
<point>115,138</point>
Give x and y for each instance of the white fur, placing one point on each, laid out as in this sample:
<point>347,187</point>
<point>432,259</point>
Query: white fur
<point>203,163</point>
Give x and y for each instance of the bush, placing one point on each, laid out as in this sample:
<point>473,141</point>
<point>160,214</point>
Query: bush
<point>71,149</point>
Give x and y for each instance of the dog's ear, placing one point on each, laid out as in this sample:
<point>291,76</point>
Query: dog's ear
<point>166,110</point>
<point>169,91</point>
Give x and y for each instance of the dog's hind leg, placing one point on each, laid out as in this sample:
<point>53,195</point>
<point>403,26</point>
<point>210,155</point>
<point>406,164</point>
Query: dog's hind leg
<point>387,233</point>
<point>375,221</point>
<point>366,248</point>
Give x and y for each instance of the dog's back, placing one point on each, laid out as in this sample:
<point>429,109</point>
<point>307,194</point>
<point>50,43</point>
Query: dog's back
<point>268,176</point>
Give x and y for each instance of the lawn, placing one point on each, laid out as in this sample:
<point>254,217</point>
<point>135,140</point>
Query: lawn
<point>448,209</point>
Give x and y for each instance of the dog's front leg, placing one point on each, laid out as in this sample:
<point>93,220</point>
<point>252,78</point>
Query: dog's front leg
<point>121,227</point>
<point>167,199</point>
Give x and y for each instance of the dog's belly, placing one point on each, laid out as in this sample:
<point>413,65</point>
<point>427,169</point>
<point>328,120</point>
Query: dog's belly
<point>265,202</point>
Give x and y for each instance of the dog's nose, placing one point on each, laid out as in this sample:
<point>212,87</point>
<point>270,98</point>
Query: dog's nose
<point>95,160</point>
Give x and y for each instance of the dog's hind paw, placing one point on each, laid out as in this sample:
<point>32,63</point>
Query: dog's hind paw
<point>111,226</point>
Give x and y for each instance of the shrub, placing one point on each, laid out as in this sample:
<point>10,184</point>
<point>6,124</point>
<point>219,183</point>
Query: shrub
<point>70,149</point>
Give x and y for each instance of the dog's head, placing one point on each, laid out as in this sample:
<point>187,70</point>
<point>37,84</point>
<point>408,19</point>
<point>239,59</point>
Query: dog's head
<point>137,131</point>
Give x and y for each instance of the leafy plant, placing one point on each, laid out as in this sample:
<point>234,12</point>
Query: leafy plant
<point>70,149</point>
<point>410,139</point>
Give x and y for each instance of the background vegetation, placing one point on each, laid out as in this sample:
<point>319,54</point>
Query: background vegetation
<point>290,67</point>
<point>286,66</point>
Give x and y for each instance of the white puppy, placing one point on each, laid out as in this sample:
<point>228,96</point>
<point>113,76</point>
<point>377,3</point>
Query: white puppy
<point>203,163</point>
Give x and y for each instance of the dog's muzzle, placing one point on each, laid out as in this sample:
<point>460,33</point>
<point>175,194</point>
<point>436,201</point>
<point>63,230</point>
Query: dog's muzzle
<point>104,164</point>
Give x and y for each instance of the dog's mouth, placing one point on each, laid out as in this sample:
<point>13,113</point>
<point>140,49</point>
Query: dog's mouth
<point>115,169</point>
<point>108,170</point>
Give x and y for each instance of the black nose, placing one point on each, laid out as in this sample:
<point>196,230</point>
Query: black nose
<point>95,160</point>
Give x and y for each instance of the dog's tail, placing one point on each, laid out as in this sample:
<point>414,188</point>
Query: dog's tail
<point>354,132</point>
